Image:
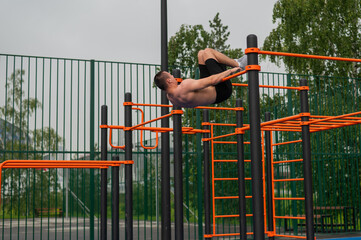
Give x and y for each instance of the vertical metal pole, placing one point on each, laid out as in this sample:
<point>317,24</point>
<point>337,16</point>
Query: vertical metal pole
<point>115,200</point>
<point>307,165</point>
<point>103,174</point>
<point>178,170</point>
<point>165,161</point>
<point>199,171</point>
<point>241,175</point>
<point>92,149</point>
<point>207,177</point>
<point>292,156</point>
<point>269,177</point>
<point>256,150</point>
<point>128,170</point>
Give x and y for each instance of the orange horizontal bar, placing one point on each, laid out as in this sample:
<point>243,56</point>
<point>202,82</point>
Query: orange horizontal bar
<point>224,142</point>
<point>290,198</point>
<point>223,124</point>
<point>225,160</point>
<point>153,120</point>
<point>231,216</point>
<point>151,105</point>
<point>284,143</point>
<point>228,142</point>
<point>88,162</point>
<point>59,164</point>
<point>113,127</point>
<point>264,124</point>
<point>234,75</point>
<point>227,234</point>
<point>269,86</point>
<point>288,180</point>
<point>219,108</point>
<point>350,118</point>
<point>288,161</point>
<point>185,130</point>
<point>217,137</point>
<point>335,117</point>
<point>280,129</point>
<point>289,217</point>
<point>230,197</point>
<point>309,56</point>
<point>290,236</point>
<point>225,179</point>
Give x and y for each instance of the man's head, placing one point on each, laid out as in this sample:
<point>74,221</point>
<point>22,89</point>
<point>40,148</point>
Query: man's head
<point>161,79</point>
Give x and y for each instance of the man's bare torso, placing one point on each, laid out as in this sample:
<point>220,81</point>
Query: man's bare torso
<point>183,96</point>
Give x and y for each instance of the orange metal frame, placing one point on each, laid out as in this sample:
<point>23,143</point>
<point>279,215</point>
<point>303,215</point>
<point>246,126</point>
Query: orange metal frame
<point>59,164</point>
<point>140,126</point>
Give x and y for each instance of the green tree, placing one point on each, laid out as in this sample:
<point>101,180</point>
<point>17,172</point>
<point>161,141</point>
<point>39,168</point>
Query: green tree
<point>319,27</point>
<point>188,40</point>
<point>19,142</point>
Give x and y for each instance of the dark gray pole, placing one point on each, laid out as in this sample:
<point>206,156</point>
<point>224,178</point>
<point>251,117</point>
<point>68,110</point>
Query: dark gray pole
<point>207,177</point>
<point>165,159</point>
<point>178,174</point>
<point>269,176</point>
<point>115,200</point>
<point>256,150</point>
<point>307,165</point>
<point>241,175</point>
<point>128,170</point>
<point>103,174</point>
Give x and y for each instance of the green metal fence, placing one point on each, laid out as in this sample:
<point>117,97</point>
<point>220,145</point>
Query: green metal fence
<point>50,109</point>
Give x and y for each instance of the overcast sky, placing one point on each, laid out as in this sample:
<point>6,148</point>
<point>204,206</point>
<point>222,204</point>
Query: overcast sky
<point>119,30</point>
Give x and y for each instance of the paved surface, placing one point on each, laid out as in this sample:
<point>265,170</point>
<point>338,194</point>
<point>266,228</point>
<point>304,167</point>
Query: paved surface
<point>74,229</point>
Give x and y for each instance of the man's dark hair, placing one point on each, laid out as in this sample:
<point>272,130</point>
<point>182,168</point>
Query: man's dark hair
<point>160,79</point>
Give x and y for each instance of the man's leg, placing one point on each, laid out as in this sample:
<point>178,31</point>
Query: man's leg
<point>210,53</point>
<point>208,60</point>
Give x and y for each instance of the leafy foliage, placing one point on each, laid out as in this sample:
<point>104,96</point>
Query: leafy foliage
<point>189,40</point>
<point>319,27</point>
<point>19,142</point>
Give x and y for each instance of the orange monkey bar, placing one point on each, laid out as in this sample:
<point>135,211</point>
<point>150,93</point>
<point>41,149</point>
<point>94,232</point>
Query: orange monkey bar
<point>294,123</point>
<point>257,50</point>
<point>59,164</point>
<point>200,107</point>
<point>271,86</point>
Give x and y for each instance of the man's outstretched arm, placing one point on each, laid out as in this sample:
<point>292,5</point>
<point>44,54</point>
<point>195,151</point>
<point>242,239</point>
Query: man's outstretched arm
<point>211,80</point>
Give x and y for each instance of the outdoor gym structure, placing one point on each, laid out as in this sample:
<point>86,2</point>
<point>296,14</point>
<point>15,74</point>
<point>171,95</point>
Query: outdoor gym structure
<point>263,194</point>
<point>303,122</point>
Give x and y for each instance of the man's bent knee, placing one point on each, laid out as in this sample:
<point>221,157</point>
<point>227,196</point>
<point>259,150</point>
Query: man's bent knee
<point>201,57</point>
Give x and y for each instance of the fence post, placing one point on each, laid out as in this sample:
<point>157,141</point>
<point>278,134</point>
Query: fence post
<point>92,148</point>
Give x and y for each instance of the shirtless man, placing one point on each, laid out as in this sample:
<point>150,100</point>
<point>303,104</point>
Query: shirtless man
<point>209,89</point>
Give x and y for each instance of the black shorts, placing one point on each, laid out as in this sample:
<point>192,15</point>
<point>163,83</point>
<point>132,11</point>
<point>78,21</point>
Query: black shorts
<point>223,89</point>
